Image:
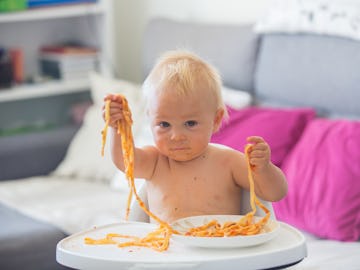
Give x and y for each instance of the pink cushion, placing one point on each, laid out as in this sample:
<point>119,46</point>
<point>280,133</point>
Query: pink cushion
<point>281,128</point>
<point>323,172</point>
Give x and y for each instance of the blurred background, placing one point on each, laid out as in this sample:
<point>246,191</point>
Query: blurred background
<point>48,47</point>
<point>131,18</point>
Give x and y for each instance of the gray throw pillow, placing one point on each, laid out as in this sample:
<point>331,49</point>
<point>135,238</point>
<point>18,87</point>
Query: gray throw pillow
<point>310,70</point>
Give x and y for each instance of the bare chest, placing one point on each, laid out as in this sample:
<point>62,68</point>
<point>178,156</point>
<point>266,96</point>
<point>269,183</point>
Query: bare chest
<point>193,190</point>
<point>193,177</point>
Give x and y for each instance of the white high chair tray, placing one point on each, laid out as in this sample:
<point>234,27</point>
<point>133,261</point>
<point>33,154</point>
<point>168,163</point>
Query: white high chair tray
<point>286,248</point>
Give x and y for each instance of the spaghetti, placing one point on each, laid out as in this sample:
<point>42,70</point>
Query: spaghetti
<point>160,238</point>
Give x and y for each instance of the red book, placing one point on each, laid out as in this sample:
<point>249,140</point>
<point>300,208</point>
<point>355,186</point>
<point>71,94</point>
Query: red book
<point>68,49</point>
<point>17,59</point>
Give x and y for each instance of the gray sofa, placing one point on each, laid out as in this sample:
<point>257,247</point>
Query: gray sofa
<point>27,243</point>
<point>33,154</point>
<point>278,69</point>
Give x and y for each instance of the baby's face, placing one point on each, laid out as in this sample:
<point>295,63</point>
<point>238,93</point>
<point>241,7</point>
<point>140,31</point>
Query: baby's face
<point>182,126</point>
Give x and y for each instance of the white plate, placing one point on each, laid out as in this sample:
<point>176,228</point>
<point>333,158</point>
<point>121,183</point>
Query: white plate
<point>182,225</point>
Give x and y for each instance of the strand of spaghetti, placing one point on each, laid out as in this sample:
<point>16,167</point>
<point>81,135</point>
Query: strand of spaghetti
<point>128,154</point>
<point>253,198</point>
<point>251,181</point>
<point>109,239</point>
<point>104,131</point>
<point>124,128</point>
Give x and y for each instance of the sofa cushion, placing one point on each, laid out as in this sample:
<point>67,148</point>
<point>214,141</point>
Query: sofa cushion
<point>38,153</point>
<point>281,128</point>
<point>323,173</point>
<point>309,70</point>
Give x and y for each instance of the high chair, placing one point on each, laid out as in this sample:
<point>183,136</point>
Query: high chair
<point>287,248</point>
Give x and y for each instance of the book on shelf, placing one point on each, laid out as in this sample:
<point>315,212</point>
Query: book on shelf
<point>70,61</point>
<point>68,50</point>
<point>45,3</point>
<point>67,62</point>
<point>56,71</point>
<point>11,66</point>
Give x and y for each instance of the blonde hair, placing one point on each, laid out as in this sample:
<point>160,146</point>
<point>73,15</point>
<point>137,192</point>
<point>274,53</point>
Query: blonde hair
<point>184,71</point>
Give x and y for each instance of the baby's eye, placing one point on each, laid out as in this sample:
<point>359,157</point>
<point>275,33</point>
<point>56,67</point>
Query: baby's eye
<point>164,124</point>
<point>191,123</point>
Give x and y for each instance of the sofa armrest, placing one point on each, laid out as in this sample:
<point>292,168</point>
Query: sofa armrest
<point>34,154</point>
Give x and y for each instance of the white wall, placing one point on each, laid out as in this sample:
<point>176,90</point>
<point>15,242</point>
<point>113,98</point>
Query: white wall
<point>131,17</point>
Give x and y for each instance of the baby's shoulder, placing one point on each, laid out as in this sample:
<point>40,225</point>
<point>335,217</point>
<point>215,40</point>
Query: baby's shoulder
<point>220,150</point>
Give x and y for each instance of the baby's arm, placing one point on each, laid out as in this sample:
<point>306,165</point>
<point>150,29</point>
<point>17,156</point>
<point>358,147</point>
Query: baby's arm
<point>144,158</point>
<point>269,180</point>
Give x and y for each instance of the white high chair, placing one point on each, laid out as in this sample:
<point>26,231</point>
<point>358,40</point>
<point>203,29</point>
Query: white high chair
<point>287,249</point>
<point>137,214</point>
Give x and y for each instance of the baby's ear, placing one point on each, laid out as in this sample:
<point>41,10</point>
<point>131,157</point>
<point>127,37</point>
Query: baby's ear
<point>218,119</point>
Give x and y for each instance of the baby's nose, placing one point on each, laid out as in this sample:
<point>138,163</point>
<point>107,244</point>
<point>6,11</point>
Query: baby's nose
<point>177,135</point>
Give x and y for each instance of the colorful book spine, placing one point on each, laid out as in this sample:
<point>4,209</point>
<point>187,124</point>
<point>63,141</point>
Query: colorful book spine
<point>17,59</point>
<point>69,50</point>
<point>42,3</point>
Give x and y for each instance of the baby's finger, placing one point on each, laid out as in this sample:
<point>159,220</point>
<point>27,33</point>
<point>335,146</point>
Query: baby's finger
<point>115,117</point>
<point>108,97</point>
<point>113,97</point>
<point>258,162</point>
<point>262,146</point>
<point>255,139</point>
<point>118,115</point>
<point>118,98</point>
<point>258,154</point>
<point>116,105</point>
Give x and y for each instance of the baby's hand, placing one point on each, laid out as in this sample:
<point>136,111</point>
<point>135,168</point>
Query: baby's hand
<point>259,153</point>
<point>116,109</point>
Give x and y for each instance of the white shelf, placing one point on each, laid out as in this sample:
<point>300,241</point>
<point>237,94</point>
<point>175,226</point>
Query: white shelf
<point>29,30</point>
<point>44,90</point>
<point>52,12</point>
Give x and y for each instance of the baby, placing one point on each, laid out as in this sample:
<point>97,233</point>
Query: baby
<point>187,176</point>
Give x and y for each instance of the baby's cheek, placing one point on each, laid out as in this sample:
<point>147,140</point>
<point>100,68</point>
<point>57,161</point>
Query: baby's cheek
<point>160,140</point>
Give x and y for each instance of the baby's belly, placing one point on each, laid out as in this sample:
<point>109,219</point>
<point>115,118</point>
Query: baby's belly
<point>172,210</point>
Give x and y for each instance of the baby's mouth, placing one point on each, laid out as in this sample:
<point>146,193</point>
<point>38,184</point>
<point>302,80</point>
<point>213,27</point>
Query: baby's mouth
<point>181,148</point>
